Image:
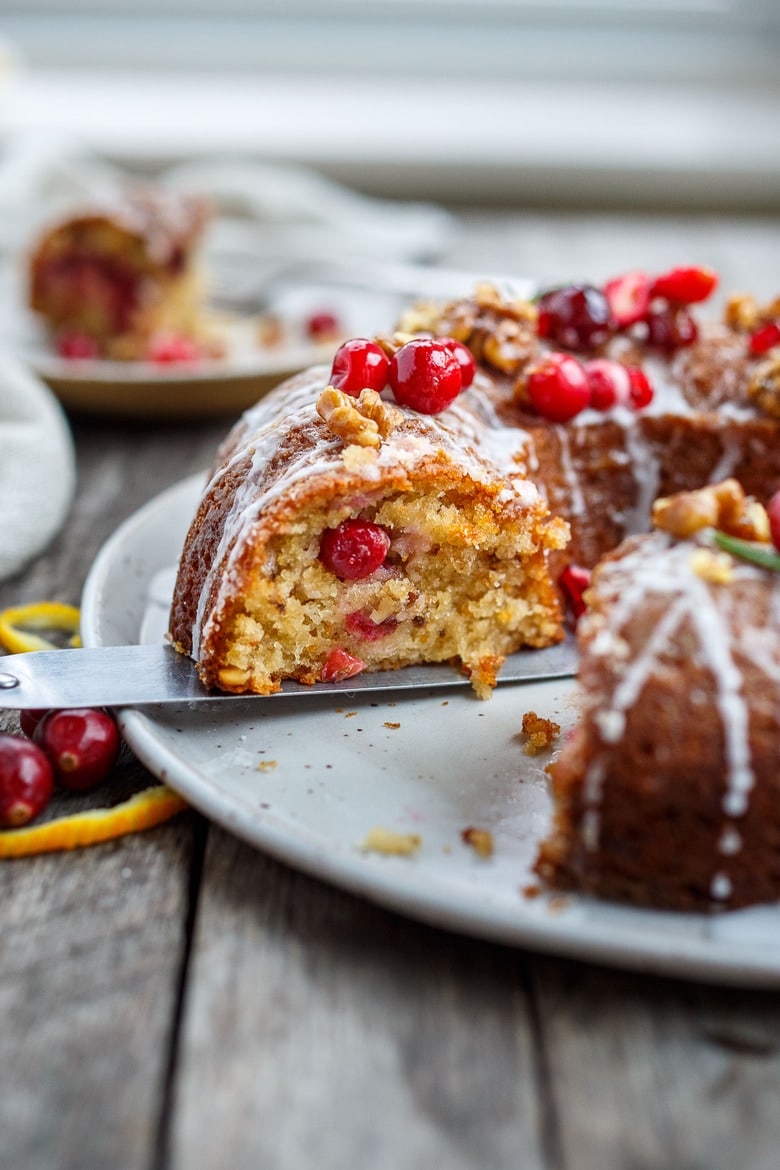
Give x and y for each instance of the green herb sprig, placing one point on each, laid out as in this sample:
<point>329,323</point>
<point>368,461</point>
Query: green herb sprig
<point>762,555</point>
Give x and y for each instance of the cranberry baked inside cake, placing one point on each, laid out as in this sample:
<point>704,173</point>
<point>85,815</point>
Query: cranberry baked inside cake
<point>343,530</point>
<point>108,278</point>
<point>667,793</point>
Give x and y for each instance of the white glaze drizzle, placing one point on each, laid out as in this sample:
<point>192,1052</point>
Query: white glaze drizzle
<point>659,568</point>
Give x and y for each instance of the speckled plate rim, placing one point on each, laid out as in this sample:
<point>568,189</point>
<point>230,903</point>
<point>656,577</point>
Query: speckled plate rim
<point>738,948</point>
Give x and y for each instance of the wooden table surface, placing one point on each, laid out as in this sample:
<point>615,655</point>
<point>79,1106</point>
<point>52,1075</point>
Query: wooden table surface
<point>178,1001</point>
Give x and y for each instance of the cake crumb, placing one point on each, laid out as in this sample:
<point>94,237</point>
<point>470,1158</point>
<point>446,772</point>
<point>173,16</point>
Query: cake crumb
<point>267,765</point>
<point>531,891</point>
<point>393,726</point>
<point>480,840</point>
<point>381,840</point>
<point>539,733</point>
<point>350,714</point>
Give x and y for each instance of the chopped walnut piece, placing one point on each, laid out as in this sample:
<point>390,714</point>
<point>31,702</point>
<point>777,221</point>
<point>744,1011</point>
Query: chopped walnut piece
<point>764,386</point>
<point>233,676</point>
<point>480,840</point>
<point>385,415</point>
<point>539,733</point>
<point>381,840</point>
<point>742,313</point>
<point>342,416</point>
<point>718,505</point>
<point>391,345</point>
<point>712,565</point>
<point>745,314</point>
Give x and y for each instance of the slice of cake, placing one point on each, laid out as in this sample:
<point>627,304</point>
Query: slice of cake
<point>109,278</point>
<point>668,791</point>
<point>342,530</point>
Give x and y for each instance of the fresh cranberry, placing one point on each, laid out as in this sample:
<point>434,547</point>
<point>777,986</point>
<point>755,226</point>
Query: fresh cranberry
<point>340,665</point>
<point>669,329</point>
<point>77,346</point>
<point>359,364</point>
<point>29,719</point>
<point>628,297</point>
<point>765,338</point>
<point>426,375</point>
<point>641,393</point>
<point>26,781</point>
<point>355,549</point>
<point>361,625</point>
<point>82,744</point>
<point>773,511</point>
<point>558,387</point>
<point>323,326</point>
<point>574,580</point>
<point>468,365</point>
<point>609,382</point>
<point>576,317</point>
<point>168,349</point>
<point>685,286</point>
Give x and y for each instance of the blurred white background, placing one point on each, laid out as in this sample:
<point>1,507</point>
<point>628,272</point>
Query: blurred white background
<point>638,102</point>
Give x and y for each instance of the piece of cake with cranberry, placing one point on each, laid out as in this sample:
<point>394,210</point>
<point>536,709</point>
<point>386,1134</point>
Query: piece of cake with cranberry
<point>621,395</point>
<point>367,517</point>
<point>668,792</point>
<point>115,279</point>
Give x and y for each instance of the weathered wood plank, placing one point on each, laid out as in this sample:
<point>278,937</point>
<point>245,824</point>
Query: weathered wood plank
<point>91,943</point>
<point>648,1072</point>
<point>322,1031</point>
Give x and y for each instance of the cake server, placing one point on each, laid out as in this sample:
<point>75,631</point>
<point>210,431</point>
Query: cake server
<point>132,676</point>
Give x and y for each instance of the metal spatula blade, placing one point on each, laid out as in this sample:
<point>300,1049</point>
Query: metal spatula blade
<point>132,676</point>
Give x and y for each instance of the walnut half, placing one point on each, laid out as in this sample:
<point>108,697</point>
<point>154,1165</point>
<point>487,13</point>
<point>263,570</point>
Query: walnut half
<point>718,505</point>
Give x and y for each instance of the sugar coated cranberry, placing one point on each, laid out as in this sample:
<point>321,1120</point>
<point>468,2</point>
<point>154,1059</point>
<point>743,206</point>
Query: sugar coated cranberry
<point>340,665</point>
<point>426,375</point>
<point>323,325</point>
<point>82,745</point>
<point>558,387</point>
<point>355,549</point>
<point>628,297</point>
<point>574,580</point>
<point>685,286</point>
<point>359,364</point>
<point>765,338</point>
<point>669,329</point>
<point>576,317</point>
<point>168,349</point>
<point>773,511</point>
<point>641,393</point>
<point>468,365</point>
<point>77,346</point>
<point>26,781</point>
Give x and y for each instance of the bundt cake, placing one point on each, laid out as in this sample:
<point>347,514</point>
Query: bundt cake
<point>340,531</point>
<point>108,279</point>
<point>667,792</point>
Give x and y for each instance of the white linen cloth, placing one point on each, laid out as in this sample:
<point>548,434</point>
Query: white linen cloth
<point>37,466</point>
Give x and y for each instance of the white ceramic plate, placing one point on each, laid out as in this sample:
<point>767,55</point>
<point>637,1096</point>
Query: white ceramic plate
<point>306,780</point>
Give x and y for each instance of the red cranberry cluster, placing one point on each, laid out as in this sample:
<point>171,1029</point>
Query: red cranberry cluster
<point>427,374</point>
<point>74,749</point>
<point>581,317</point>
